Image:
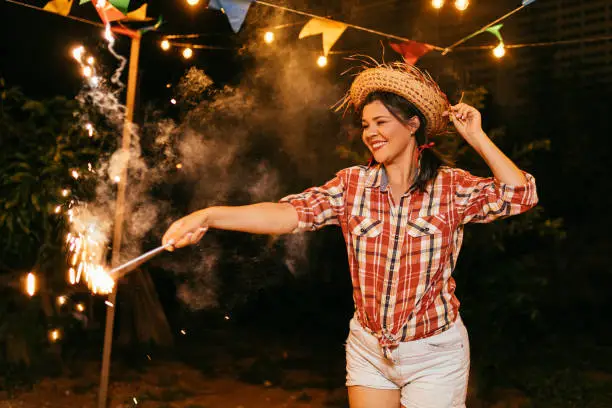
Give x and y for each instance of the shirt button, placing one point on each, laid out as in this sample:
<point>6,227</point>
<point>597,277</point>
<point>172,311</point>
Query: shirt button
<point>363,230</point>
<point>397,237</point>
<point>426,229</point>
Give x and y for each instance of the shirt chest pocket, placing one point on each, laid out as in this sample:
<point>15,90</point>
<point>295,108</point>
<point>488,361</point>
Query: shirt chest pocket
<point>426,236</point>
<point>365,235</point>
<point>365,227</point>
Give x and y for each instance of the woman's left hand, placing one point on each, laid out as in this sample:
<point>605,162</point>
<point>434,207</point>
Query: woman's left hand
<point>467,121</point>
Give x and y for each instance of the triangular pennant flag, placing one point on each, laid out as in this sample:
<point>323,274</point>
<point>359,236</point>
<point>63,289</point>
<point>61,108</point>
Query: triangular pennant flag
<point>59,6</point>
<point>528,2</point>
<point>107,11</point>
<point>411,50</point>
<point>495,30</point>
<point>236,10</point>
<point>331,31</point>
<point>160,21</point>
<point>138,14</point>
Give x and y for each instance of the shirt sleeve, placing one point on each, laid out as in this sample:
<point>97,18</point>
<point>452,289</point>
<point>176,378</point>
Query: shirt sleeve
<point>318,206</point>
<point>483,200</point>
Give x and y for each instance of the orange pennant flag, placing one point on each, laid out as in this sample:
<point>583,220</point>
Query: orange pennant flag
<point>107,11</point>
<point>59,6</point>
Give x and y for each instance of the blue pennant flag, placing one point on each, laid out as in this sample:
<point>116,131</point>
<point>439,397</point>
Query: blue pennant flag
<point>236,10</point>
<point>528,2</point>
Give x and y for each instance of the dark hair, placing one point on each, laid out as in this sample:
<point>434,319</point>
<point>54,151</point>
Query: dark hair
<point>430,159</point>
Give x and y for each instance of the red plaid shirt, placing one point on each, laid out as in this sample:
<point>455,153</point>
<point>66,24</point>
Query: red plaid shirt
<point>401,255</point>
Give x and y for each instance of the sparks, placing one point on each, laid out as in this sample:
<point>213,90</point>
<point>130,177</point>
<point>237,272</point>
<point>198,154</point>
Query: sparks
<point>108,34</point>
<point>87,252</point>
<point>77,53</point>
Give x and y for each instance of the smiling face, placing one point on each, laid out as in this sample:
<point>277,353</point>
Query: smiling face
<point>389,140</point>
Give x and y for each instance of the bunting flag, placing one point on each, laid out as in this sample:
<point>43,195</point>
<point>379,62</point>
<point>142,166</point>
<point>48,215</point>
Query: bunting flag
<point>59,6</point>
<point>331,31</point>
<point>107,11</point>
<point>236,11</point>
<point>495,30</point>
<point>139,14</point>
<point>122,5</point>
<point>411,50</point>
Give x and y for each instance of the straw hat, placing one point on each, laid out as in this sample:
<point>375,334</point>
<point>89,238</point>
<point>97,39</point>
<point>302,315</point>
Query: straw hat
<point>406,80</point>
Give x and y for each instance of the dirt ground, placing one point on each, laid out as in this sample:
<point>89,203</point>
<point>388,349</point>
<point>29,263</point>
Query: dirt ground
<point>172,385</point>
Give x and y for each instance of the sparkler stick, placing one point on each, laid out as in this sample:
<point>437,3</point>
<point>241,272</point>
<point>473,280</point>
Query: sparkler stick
<point>129,266</point>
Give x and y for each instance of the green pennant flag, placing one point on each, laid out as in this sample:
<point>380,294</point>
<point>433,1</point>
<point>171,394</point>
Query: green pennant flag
<point>495,30</point>
<point>121,5</point>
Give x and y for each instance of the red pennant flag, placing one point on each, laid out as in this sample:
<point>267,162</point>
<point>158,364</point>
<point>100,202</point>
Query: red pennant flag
<point>107,11</point>
<point>411,50</point>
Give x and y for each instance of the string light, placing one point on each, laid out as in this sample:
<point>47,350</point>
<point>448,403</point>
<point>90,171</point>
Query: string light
<point>90,60</point>
<point>461,5</point>
<point>179,166</point>
<point>193,2</point>
<point>269,37</point>
<point>183,332</point>
<point>499,51</point>
<point>80,307</point>
<point>65,192</point>
<point>90,129</point>
<point>173,101</point>
<point>116,179</point>
<point>54,335</point>
<point>165,45</point>
<point>187,53</point>
<point>61,300</point>
<point>322,61</point>
<point>437,4</point>
<point>74,174</point>
<point>58,209</point>
<point>168,86</point>
<point>31,284</point>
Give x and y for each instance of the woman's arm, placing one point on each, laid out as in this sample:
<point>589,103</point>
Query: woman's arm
<point>468,122</point>
<point>262,218</point>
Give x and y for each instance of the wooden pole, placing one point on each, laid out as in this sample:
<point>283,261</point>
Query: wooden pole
<point>119,216</point>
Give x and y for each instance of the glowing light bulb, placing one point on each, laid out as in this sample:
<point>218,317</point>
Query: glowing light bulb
<point>437,4</point>
<point>499,51</point>
<point>65,192</point>
<point>87,71</point>
<point>269,37</point>
<point>179,166</point>
<point>90,130</point>
<point>322,61</point>
<point>187,53</point>
<point>58,209</point>
<point>90,60</point>
<point>173,101</point>
<point>31,284</point>
<point>54,335</point>
<point>77,52</point>
<point>165,45</point>
<point>183,332</point>
<point>74,174</point>
<point>193,2</point>
<point>461,5</point>
<point>61,300</point>
<point>116,179</point>
<point>168,86</point>
<point>80,307</point>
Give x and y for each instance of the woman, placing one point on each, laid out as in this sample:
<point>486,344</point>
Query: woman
<point>402,218</point>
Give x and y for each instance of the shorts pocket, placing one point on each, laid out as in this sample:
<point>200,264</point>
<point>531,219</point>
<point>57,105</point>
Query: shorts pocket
<point>449,340</point>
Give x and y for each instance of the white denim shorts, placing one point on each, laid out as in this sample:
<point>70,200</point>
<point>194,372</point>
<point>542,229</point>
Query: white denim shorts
<point>430,372</point>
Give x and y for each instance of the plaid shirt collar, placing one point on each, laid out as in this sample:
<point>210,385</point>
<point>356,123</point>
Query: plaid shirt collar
<point>377,178</point>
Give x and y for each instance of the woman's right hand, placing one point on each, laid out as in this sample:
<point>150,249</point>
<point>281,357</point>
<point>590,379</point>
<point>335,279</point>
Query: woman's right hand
<point>188,230</point>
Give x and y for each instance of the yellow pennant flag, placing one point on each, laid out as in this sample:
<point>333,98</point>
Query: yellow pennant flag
<point>59,6</point>
<point>331,31</point>
<point>139,14</point>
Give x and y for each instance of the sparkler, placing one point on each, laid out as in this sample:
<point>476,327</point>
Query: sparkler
<point>87,248</point>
